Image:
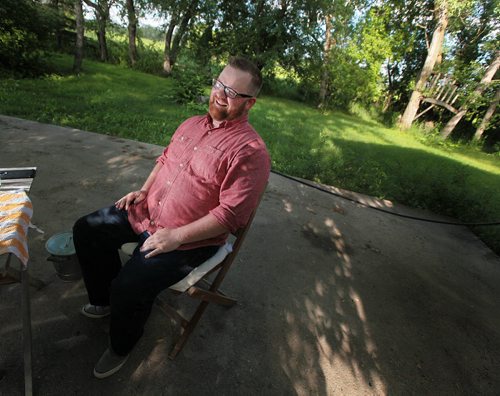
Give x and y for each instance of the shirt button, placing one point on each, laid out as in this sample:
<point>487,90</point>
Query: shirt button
<point>169,182</point>
<point>181,165</point>
<point>196,148</point>
<point>152,222</point>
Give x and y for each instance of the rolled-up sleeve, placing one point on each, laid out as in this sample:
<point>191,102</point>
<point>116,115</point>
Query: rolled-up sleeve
<point>163,156</point>
<point>243,185</point>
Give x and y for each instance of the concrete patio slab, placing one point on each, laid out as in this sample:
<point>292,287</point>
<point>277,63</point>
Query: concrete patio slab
<point>334,298</point>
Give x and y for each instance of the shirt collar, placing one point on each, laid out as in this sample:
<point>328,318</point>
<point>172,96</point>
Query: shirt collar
<point>226,124</point>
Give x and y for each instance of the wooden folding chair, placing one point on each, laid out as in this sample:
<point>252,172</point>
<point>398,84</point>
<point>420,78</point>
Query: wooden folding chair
<point>216,267</point>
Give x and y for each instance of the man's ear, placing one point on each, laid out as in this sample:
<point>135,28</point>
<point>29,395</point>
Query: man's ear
<point>249,104</point>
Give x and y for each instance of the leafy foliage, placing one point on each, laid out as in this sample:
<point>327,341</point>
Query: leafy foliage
<point>190,84</point>
<point>149,60</point>
<point>23,36</point>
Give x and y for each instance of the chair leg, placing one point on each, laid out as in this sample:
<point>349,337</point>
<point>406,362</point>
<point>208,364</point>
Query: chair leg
<point>187,330</point>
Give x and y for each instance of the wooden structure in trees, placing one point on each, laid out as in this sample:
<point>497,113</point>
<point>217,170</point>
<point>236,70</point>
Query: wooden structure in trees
<point>440,91</point>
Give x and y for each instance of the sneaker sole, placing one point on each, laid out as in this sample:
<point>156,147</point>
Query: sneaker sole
<point>109,372</point>
<point>93,316</point>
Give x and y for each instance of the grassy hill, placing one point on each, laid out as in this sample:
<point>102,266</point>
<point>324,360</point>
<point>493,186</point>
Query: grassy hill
<point>347,151</point>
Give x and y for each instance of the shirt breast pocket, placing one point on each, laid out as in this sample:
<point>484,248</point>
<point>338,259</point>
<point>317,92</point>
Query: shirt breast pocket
<point>178,146</point>
<point>206,162</point>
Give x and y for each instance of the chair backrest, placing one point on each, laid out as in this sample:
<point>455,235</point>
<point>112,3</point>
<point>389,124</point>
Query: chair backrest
<point>240,236</point>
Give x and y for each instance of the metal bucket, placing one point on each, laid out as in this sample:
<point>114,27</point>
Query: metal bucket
<point>62,254</point>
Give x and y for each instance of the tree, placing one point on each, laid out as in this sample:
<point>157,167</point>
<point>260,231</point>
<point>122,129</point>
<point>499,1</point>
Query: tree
<point>58,31</point>
<point>323,89</point>
<point>77,62</point>
<point>256,29</point>
<point>435,48</point>
<point>132,31</point>
<point>372,50</point>
<point>485,81</point>
<point>338,29</point>
<point>101,12</point>
<point>487,116</point>
<point>180,15</point>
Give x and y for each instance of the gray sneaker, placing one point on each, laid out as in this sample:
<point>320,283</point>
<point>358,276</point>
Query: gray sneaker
<point>109,363</point>
<point>95,311</point>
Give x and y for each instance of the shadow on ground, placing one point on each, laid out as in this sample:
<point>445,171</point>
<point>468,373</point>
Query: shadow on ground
<point>334,298</point>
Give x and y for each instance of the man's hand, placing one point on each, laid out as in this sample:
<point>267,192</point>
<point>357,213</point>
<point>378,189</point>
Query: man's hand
<point>162,241</point>
<point>131,198</point>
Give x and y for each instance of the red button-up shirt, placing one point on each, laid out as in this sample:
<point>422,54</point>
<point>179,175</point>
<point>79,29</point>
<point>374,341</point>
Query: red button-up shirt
<point>221,171</point>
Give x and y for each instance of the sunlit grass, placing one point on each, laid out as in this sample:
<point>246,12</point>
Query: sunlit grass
<point>348,151</point>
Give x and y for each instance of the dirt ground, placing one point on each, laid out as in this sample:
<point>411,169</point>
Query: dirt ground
<point>334,298</point>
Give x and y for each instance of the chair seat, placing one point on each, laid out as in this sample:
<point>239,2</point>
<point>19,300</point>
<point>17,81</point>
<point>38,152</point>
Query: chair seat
<point>197,273</point>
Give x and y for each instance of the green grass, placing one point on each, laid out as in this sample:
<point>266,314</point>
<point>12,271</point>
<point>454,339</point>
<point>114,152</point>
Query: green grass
<point>346,151</point>
<point>108,99</point>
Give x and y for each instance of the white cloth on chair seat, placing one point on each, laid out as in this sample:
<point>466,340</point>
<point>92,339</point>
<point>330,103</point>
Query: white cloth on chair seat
<point>197,273</point>
<point>128,248</point>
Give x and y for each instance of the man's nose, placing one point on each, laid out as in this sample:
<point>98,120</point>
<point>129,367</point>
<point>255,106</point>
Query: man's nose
<point>221,93</point>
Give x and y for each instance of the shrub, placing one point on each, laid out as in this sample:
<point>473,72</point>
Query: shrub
<point>24,34</point>
<point>285,88</point>
<point>149,59</point>
<point>190,83</point>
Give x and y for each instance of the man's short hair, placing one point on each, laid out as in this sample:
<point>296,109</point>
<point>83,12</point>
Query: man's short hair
<point>243,64</point>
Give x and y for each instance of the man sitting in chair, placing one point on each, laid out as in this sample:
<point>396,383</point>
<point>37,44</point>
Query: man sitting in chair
<point>206,184</point>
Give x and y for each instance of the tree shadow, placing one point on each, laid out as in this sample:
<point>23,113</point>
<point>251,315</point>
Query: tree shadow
<point>372,304</point>
<point>334,298</point>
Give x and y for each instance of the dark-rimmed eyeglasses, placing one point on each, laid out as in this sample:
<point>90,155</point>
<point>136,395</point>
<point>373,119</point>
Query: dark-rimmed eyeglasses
<point>228,91</point>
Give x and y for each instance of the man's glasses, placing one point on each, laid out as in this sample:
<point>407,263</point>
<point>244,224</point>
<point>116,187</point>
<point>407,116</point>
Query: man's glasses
<point>230,92</point>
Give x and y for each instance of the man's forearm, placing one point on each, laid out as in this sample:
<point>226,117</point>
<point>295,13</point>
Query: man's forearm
<point>205,228</point>
<point>168,239</point>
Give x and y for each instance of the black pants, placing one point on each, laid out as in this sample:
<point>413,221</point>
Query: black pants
<point>131,289</point>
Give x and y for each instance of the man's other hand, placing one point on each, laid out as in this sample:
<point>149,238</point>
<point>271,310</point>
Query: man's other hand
<point>133,197</point>
<point>162,241</point>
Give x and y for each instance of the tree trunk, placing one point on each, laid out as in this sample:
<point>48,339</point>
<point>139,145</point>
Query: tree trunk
<point>101,10</point>
<point>323,89</point>
<point>58,30</point>
<point>172,41</point>
<point>487,116</point>
<point>167,63</point>
<point>132,32</point>
<point>101,35</point>
<point>390,90</point>
<point>432,56</point>
<point>77,62</point>
<point>488,76</point>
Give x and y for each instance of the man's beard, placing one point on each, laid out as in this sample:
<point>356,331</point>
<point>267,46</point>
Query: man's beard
<point>219,114</point>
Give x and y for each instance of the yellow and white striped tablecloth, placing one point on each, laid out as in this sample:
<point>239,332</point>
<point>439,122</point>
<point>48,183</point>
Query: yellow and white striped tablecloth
<point>15,215</point>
